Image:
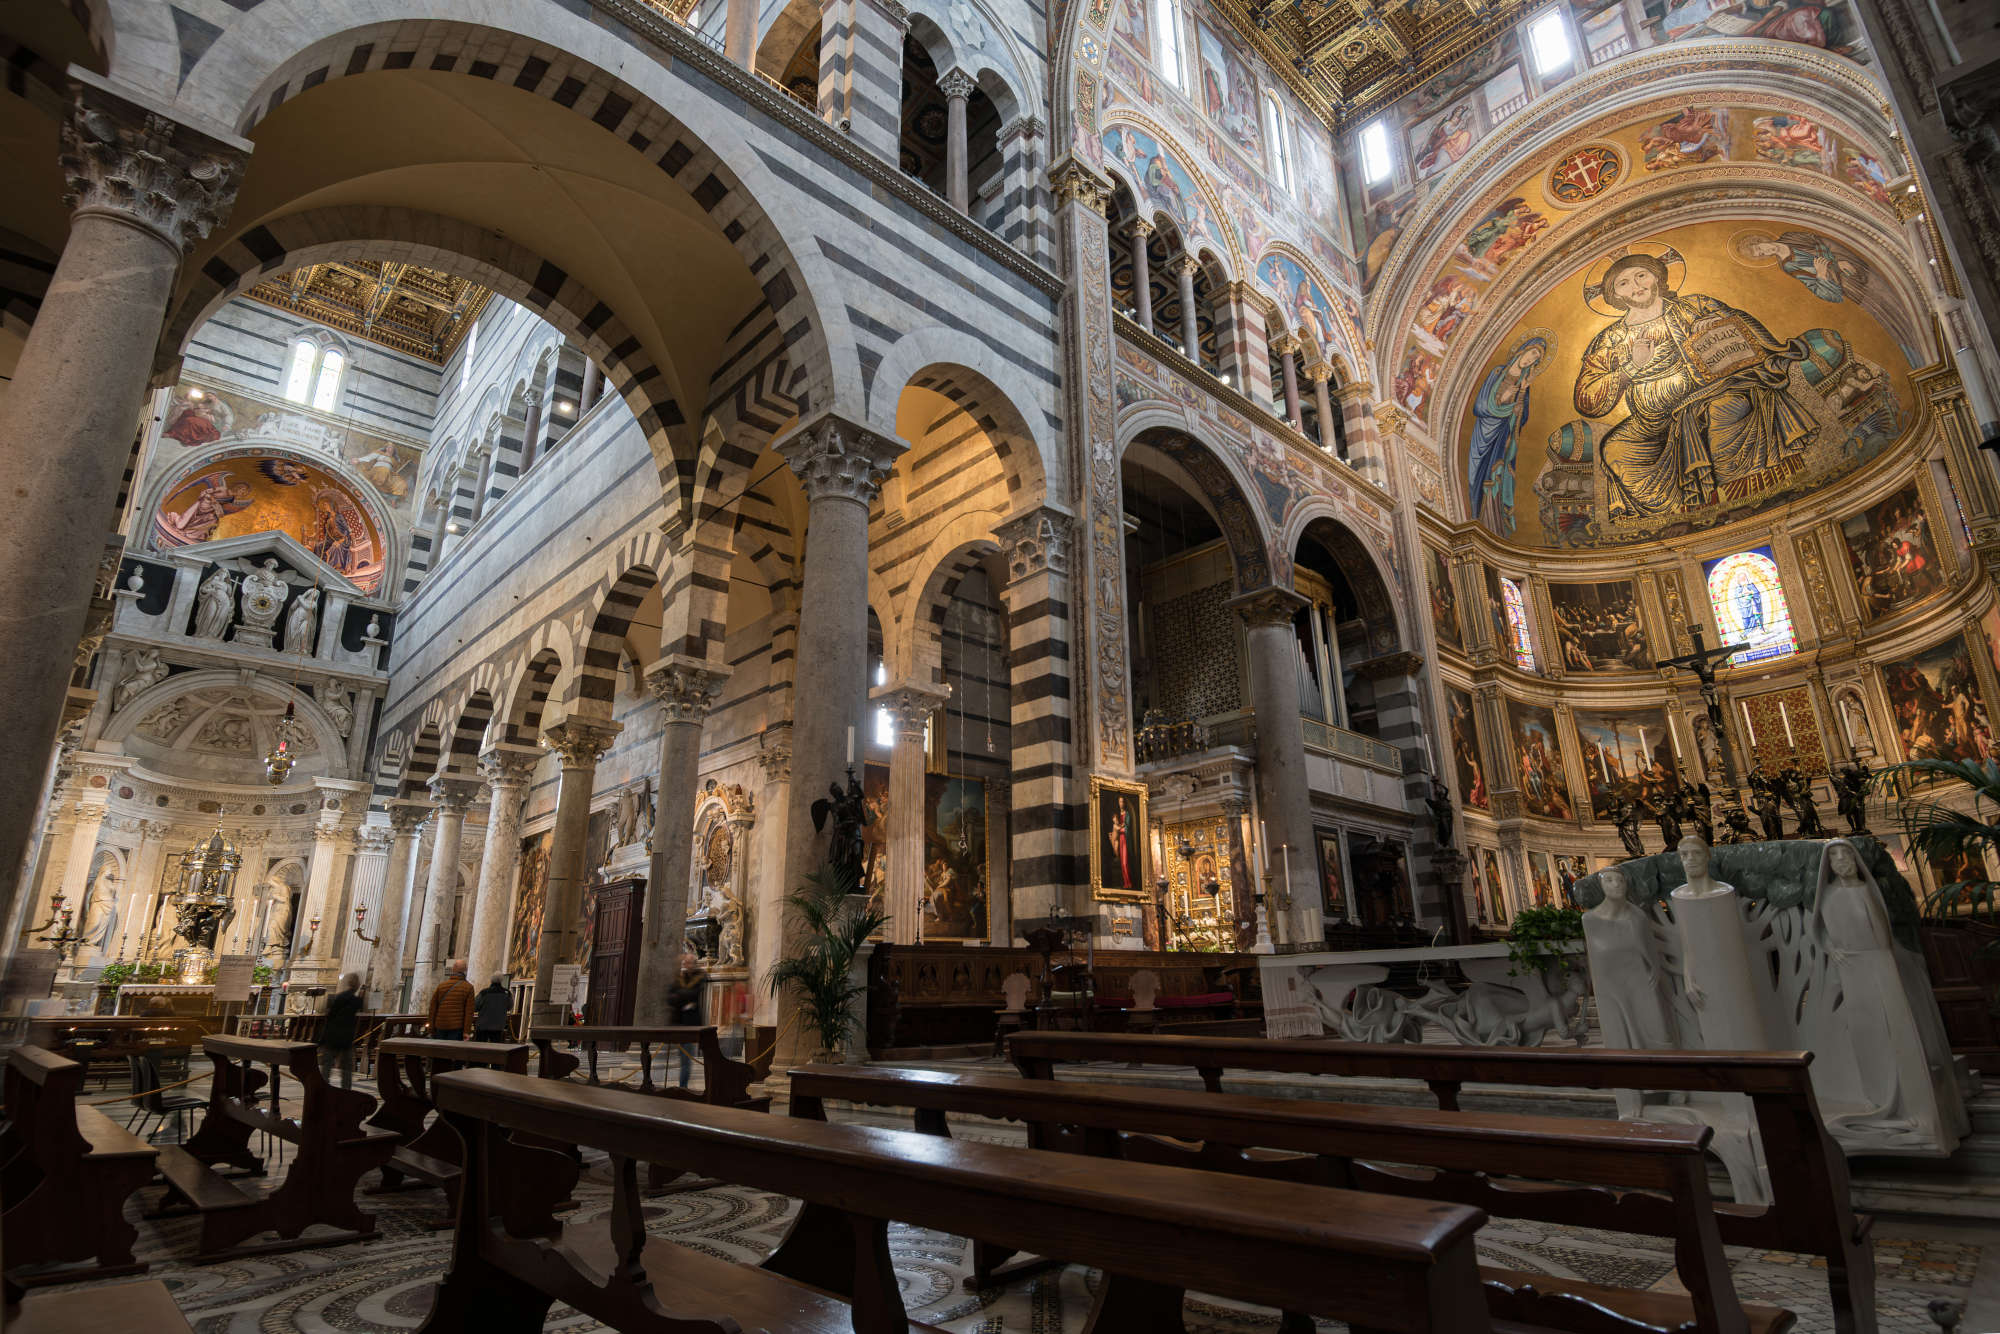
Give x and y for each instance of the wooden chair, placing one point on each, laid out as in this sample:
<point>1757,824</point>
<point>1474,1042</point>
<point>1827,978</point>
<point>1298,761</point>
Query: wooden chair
<point>1013,1014</point>
<point>334,1151</point>
<point>1623,1176</point>
<point>1810,1213</point>
<point>1379,1262</point>
<point>148,1100</point>
<point>65,1172</point>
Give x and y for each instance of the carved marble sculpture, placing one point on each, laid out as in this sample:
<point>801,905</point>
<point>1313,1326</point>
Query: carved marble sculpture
<point>729,949</point>
<point>98,918</point>
<point>1628,950</point>
<point>147,672</point>
<point>215,605</point>
<point>340,707</point>
<point>263,599</point>
<point>1520,1013</point>
<point>301,621</point>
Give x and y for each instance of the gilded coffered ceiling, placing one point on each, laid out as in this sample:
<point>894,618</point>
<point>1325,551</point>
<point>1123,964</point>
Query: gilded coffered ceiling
<point>1347,57</point>
<point>414,310</point>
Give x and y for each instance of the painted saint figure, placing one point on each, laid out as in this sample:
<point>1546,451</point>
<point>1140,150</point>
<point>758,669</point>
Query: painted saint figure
<point>1499,411</point>
<point>1705,386</point>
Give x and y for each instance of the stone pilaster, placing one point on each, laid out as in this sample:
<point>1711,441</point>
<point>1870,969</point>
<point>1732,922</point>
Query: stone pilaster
<point>686,689</point>
<point>1364,439</point>
<point>507,770</point>
<point>861,71</point>
<point>372,843</point>
<point>142,189</point>
<point>581,745</point>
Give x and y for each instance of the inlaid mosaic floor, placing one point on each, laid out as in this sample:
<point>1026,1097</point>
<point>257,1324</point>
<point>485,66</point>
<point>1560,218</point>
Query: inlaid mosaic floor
<point>383,1286</point>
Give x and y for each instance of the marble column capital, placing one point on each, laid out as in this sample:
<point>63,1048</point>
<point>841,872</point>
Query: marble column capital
<point>405,816</point>
<point>1320,372</point>
<point>455,794</point>
<point>1139,229</point>
<point>374,840</point>
<point>1184,266</point>
<point>955,82</point>
<point>508,767</point>
<point>1268,606</point>
<point>1287,344</point>
<point>1075,181</point>
<point>840,459</point>
<point>1406,663</point>
<point>1037,542</point>
<point>1023,128</point>
<point>686,686</point>
<point>581,744</point>
<point>1360,391</point>
<point>775,754</point>
<point>911,704</point>
<point>124,158</point>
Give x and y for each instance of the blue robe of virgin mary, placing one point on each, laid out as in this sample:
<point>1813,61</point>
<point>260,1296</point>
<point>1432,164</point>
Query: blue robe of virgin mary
<point>1491,454</point>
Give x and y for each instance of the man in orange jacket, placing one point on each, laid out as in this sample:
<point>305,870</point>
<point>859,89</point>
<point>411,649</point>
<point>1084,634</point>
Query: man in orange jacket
<point>451,1004</point>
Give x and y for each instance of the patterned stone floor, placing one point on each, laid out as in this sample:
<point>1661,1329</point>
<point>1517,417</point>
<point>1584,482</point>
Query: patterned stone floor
<point>383,1286</point>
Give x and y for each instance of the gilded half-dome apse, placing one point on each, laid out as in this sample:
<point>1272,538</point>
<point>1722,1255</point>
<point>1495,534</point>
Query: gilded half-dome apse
<point>273,492</point>
<point>1679,382</point>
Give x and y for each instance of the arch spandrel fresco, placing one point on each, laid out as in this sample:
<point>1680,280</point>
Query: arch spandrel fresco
<point>1678,382</point>
<point>263,493</point>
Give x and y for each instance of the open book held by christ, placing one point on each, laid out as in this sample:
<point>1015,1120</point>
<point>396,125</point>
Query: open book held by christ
<point>1722,345</point>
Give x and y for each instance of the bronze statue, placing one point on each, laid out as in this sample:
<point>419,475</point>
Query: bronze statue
<point>844,849</point>
<point>1738,821</point>
<point>1626,816</point>
<point>1796,789</point>
<point>1442,815</point>
<point>1769,801</point>
<point>1851,786</point>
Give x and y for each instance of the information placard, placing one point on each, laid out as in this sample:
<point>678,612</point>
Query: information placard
<point>562,986</point>
<point>233,977</point>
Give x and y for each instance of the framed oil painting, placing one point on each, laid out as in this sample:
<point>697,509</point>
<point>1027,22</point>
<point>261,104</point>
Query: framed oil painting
<point>1541,885</point>
<point>1597,627</point>
<point>1891,555</point>
<point>875,834</point>
<point>1118,841</point>
<point>1465,761</point>
<point>1333,885</point>
<point>955,868</point>
<point>1939,707</point>
<point>1444,599</point>
<point>1538,751</point>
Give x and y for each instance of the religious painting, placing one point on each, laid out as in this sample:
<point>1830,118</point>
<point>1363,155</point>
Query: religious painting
<point>1444,599</point>
<point>1488,906</point>
<point>524,942</point>
<point>1449,304</point>
<point>1444,139</point>
<point>1132,20</point>
<point>1382,228</point>
<point>1867,175</point>
<point>1463,730</point>
<point>1504,93</point>
<point>1585,174</point>
<point>1628,756</point>
<point>260,492</point>
<point>875,833</point>
<point>1305,302</point>
<point>1502,232</point>
<point>197,416</point>
<point>1541,881</point>
<point>954,903</point>
<point>1415,377</point>
<point>1228,93</point>
<point>1781,727</point>
<point>1459,77</point>
<point>1712,381</point>
<point>1792,141</point>
<point>1597,627</point>
<point>1955,877</point>
<point>1542,771</point>
<point>200,414</point>
<point>1568,871</point>
<point>1827,24</point>
<point>1890,552</point>
<point>1830,271</point>
<point>1165,183</point>
<point>1687,138</point>
<point>1201,903</point>
<point>1118,841</point>
<point>1496,887</point>
<point>1939,707</point>
<point>1333,885</point>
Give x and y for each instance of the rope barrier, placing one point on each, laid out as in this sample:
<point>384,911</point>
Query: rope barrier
<point>134,1097</point>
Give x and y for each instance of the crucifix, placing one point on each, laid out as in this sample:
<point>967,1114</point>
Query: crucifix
<point>1703,662</point>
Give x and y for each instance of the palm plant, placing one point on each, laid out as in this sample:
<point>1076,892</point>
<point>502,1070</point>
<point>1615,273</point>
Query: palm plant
<point>1944,835</point>
<point>821,969</point>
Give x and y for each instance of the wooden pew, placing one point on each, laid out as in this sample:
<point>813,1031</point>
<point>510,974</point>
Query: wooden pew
<point>117,1308</point>
<point>1624,1176</point>
<point>1379,1262</point>
<point>334,1151</point>
<point>725,1082</point>
<point>65,1172</point>
<point>427,1152</point>
<point>1811,1211</point>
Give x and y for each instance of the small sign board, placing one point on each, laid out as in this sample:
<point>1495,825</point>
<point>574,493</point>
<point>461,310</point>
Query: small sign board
<point>562,985</point>
<point>232,977</point>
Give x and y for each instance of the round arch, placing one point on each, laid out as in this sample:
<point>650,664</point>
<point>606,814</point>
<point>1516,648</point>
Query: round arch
<point>521,723</point>
<point>1219,488</point>
<point>999,398</point>
<point>326,734</point>
<point>1354,553</point>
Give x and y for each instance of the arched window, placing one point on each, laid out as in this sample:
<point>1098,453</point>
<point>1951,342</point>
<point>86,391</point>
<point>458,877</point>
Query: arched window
<point>471,350</point>
<point>299,370</point>
<point>1376,162</point>
<point>1750,607</point>
<point>1274,135</point>
<point>326,385</point>
<point>312,374</point>
<point>1519,638</point>
<point>1172,54</point>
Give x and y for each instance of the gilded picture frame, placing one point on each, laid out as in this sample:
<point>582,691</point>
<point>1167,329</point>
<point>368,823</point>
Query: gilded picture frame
<point>1118,850</point>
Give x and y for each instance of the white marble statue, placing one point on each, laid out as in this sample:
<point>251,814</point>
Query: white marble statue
<point>278,921</point>
<point>147,671</point>
<point>301,621</point>
<point>1521,1013</point>
<point>215,605</point>
<point>1628,951</point>
<point>729,952</point>
<point>340,707</point>
<point>97,917</point>
<point>1715,956</point>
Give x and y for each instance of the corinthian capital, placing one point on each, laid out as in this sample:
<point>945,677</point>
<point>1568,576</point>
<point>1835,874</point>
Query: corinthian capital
<point>581,744</point>
<point>685,686</point>
<point>508,766</point>
<point>405,816</point>
<point>911,704</point>
<point>834,457</point>
<point>1268,606</point>
<point>1036,543</point>
<point>456,794</point>
<point>129,160</point>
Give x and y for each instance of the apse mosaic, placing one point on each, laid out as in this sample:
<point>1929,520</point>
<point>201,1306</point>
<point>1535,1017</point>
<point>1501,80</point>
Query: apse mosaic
<point>1891,554</point>
<point>1748,599</point>
<point>1677,382</point>
<point>258,492</point>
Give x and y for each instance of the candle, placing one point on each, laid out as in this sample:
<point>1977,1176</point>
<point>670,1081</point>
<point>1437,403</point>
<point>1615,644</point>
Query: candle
<point>1749,728</point>
<point>1786,719</point>
<point>850,743</point>
<point>1674,740</point>
<point>1604,766</point>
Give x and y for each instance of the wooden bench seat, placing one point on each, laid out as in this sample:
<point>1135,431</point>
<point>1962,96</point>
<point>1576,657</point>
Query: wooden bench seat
<point>116,1308</point>
<point>65,1173</point>
<point>1810,1213</point>
<point>1378,1262</point>
<point>725,1081</point>
<point>334,1151</point>
<point>1624,1176</point>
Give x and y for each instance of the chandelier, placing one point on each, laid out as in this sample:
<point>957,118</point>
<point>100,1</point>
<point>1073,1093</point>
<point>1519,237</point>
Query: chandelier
<point>203,900</point>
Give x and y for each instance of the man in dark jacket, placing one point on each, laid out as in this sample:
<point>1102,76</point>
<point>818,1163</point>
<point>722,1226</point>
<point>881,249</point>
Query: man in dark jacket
<point>684,1002</point>
<point>336,1033</point>
<point>490,1010</point>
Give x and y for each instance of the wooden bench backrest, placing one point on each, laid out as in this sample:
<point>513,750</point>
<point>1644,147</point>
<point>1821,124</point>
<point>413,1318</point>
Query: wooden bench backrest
<point>486,1055</point>
<point>1810,1211</point>
<point>233,1091</point>
<point>1398,1264</point>
<point>41,1089</point>
<point>726,1081</point>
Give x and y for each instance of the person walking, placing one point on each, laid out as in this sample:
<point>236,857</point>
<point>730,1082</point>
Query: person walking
<point>684,999</point>
<point>336,1031</point>
<point>490,1012</point>
<point>451,1004</point>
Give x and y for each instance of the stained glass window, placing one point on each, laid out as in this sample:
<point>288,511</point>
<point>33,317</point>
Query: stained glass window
<point>1750,607</point>
<point>1517,625</point>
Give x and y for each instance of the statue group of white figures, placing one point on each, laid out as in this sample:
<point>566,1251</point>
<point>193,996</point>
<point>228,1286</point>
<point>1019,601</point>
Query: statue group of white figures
<point>1709,969</point>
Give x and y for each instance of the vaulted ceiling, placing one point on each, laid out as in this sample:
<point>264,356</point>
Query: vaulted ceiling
<point>418,311</point>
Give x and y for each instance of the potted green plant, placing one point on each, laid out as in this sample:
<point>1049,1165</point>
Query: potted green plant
<point>820,971</point>
<point>1541,939</point>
